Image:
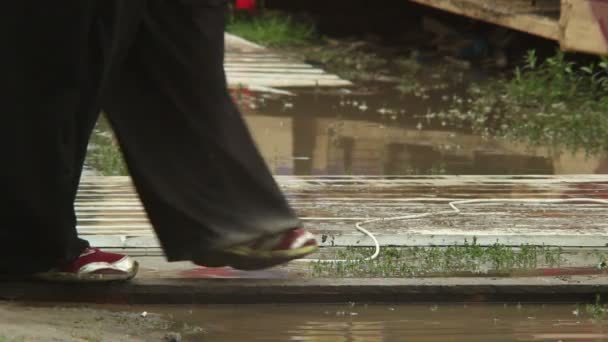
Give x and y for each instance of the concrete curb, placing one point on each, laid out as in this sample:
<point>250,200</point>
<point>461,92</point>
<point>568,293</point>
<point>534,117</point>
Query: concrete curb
<point>262,291</point>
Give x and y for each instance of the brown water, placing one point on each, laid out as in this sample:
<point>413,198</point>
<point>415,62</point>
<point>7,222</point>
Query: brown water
<point>369,323</point>
<point>375,130</point>
<point>385,133</point>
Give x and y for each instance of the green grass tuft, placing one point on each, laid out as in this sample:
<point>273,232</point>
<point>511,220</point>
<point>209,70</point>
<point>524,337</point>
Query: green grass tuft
<point>597,310</point>
<point>271,29</point>
<point>465,259</point>
<point>104,155</point>
<point>556,102</point>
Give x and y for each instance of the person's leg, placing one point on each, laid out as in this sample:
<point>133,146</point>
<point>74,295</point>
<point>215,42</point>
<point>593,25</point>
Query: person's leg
<point>51,84</point>
<point>41,75</point>
<point>111,29</point>
<point>203,183</point>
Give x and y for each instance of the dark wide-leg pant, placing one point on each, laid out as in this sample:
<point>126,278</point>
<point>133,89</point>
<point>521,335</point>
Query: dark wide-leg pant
<point>156,68</point>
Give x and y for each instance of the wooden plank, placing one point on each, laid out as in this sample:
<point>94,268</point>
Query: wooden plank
<point>502,12</point>
<point>582,25</point>
<point>281,64</point>
<point>260,54</point>
<point>585,24</point>
<point>244,59</point>
<point>125,181</point>
<point>285,76</point>
<point>279,82</point>
<point>270,70</point>
<point>273,288</point>
<point>591,241</point>
<point>330,207</point>
<point>252,66</point>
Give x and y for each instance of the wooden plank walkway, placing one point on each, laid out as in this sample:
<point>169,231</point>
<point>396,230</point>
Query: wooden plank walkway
<point>249,65</point>
<point>110,213</point>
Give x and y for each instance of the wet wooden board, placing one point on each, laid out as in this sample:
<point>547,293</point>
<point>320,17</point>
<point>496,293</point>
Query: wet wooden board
<point>249,65</point>
<point>193,288</point>
<point>541,19</point>
<point>584,26</point>
<point>578,25</point>
<point>255,69</point>
<point>111,215</point>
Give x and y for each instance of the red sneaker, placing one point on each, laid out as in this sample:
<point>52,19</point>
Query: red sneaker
<point>93,265</point>
<point>265,252</point>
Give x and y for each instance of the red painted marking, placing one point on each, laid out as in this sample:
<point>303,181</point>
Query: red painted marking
<point>210,272</point>
<point>570,271</point>
<point>586,190</point>
<point>227,272</point>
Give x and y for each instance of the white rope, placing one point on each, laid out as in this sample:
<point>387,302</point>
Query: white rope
<point>454,210</point>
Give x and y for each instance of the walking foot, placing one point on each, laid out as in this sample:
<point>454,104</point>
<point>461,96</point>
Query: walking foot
<point>265,252</point>
<point>94,265</point>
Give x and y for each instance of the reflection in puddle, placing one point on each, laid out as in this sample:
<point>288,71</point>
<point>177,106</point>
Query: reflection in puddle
<point>384,135</point>
<point>369,323</point>
<point>373,133</point>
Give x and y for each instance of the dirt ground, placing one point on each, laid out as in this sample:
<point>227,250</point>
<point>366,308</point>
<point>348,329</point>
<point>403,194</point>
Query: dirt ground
<point>24,323</point>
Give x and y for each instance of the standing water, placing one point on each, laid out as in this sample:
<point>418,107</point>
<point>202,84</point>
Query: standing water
<point>370,323</point>
<point>383,132</point>
<point>386,133</point>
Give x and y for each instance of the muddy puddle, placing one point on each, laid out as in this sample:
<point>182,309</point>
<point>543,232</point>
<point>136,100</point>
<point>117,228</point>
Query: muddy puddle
<point>398,323</point>
<point>386,133</point>
<point>360,322</point>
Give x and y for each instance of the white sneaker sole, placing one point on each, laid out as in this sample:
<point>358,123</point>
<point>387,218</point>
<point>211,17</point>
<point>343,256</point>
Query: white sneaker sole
<point>89,273</point>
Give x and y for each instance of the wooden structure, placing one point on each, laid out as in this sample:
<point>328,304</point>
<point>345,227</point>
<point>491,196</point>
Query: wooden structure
<point>111,215</point>
<point>246,69</point>
<point>252,66</point>
<point>578,25</point>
